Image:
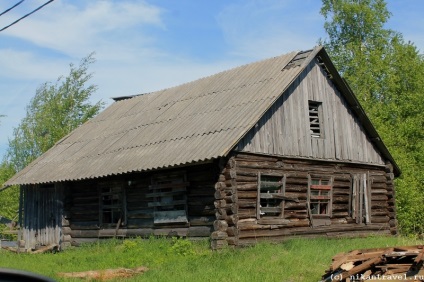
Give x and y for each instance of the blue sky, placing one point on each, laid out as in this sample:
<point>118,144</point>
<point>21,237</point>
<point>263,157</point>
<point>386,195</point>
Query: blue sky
<point>142,46</point>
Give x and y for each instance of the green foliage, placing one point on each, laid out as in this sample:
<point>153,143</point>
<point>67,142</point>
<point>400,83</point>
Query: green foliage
<point>387,76</point>
<point>300,260</point>
<point>55,111</point>
<point>182,247</point>
<point>9,198</point>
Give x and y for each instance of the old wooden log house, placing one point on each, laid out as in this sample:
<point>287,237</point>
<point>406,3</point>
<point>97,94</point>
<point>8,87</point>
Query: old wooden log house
<point>264,151</point>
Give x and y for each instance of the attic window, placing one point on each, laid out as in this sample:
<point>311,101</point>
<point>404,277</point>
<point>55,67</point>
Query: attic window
<point>315,119</point>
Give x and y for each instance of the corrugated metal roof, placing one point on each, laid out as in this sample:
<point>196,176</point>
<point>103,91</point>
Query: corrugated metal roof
<point>197,121</point>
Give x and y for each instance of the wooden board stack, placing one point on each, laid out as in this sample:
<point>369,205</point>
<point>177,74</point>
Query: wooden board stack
<point>383,264</point>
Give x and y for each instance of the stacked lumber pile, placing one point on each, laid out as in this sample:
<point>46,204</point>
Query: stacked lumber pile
<point>383,264</point>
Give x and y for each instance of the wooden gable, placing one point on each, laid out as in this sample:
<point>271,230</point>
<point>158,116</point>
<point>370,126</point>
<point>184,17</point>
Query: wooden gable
<point>312,119</point>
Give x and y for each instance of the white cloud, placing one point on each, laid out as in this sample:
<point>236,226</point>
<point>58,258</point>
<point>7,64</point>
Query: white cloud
<point>77,30</point>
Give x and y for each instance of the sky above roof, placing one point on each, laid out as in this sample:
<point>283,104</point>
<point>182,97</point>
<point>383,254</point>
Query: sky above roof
<point>143,46</point>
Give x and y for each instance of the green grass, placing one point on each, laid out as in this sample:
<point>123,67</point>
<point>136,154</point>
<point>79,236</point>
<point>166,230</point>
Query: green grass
<point>294,260</point>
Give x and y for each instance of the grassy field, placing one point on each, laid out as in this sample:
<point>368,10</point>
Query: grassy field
<point>180,260</point>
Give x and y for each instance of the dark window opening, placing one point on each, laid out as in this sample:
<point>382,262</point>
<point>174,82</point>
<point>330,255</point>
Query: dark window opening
<point>315,120</point>
<point>111,205</point>
<point>168,194</point>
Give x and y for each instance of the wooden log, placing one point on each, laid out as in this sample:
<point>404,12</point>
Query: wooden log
<point>378,204</point>
<point>220,225</point>
<point>219,235</point>
<point>342,192</point>
<point>220,203</point>
<point>199,231</point>
<point>378,191</point>
<point>231,163</point>
<point>380,219</point>
<point>232,231</point>
<point>251,225</point>
<point>335,221</point>
<point>379,186</point>
<point>297,181</point>
<point>263,165</point>
<point>248,187</point>
<point>247,194</point>
<point>380,212</point>
<point>220,185</point>
<point>247,213</point>
<point>340,207</point>
<point>340,214</point>
<point>231,198</point>
<point>340,199</point>
<point>44,249</point>
<point>247,203</point>
<point>242,178</point>
<point>292,214</point>
<point>66,230</point>
<point>218,244</point>
<point>294,206</point>
<point>230,219</point>
<point>105,274</point>
<point>274,221</point>
<point>379,197</point>
<point>228,207</point>
<point>231,174</point>
<point>233,241</point>
<point>247,172</point>
<point>220,194</point>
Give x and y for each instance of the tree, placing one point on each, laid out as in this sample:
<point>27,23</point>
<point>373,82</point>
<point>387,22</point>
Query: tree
<point>387,76</point>
<point>54,111</point>
<point>9,198</point>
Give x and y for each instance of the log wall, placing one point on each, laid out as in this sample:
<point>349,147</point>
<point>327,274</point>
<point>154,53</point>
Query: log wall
<point>239,180</point>
<point>82,207</point>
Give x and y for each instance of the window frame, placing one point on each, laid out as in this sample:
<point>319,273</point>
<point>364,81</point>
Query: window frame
<point>324,185</point>
<point>315,117</point>
<point>276,197</point>
<point>168,193</point>
<point>112,191</point>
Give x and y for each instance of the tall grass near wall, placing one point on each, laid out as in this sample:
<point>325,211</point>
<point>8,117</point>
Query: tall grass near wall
<point>294,260</point>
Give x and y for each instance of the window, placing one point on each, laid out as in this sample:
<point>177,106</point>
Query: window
<point>168,194</point>
<point>315,120</point>
<point>112,212</point>
<point>320,199</point>
<point>270,201</point>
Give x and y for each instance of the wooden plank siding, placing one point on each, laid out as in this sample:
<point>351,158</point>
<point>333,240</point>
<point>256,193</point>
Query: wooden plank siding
<point>284,129</point>
<point>43,208</point>
<point>240,179</point>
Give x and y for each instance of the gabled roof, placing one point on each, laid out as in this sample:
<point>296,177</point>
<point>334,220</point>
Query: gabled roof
<point>194,122</point>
